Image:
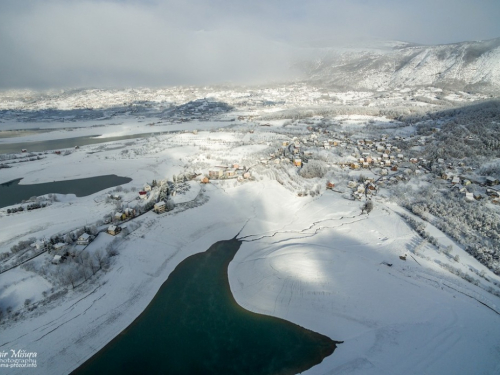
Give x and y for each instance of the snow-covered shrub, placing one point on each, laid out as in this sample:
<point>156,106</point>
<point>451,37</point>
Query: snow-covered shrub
<point>314,168</point>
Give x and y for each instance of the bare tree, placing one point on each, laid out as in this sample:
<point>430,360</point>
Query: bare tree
<point>101,259</point>
<point>71,277</point>
<point>367,207</point>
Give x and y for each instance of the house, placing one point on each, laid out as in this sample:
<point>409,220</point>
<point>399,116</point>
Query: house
<point>330,185</point>
<point>59,247</point>
<point>492,193</point>
<point>24,150</point>
<point>114,230</point>
<point>354,165</point>
<point>455,180</point>
<point>246,175</point>
<point>84,239</point>
<point>352,184</point>
<point>204,180</point>
<point>120,216</point>
<point>40,245</point>
<point>215,174</point>
<point>297,162</point>
<point>394,168</point>
<point>143,194</point>
<point>413,160</point>
<point>469,196</point>
<point>159,207</point>
<point>129,212</point>
<point>147,188</point>
<point>491,181</point>
<point>57,259</point>
<point>230,173</point>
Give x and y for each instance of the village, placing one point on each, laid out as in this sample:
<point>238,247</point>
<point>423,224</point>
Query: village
<point>354,164</point>
<point>339,185</point>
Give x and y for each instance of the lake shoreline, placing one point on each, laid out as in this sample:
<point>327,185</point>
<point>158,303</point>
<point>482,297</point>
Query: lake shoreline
<point>111,356</point>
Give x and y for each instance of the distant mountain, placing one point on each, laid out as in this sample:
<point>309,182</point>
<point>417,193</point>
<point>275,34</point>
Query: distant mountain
<point>468,66</point>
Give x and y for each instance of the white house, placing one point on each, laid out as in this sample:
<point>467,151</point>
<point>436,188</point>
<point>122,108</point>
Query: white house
<point>40,245</point>
<point>119,216</point>
<point>84,239</point>
<point>114,230</point>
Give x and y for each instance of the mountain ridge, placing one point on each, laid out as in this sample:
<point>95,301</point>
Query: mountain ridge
<point>468,66</point>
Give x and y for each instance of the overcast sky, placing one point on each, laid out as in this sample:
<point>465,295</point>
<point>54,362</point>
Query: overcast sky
<point>121,43</point>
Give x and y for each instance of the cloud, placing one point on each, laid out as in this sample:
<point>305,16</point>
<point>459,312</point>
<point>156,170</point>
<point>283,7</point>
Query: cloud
<point>156,43</point>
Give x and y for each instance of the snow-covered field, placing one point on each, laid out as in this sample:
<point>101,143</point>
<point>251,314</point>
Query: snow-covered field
<point>316,261</point>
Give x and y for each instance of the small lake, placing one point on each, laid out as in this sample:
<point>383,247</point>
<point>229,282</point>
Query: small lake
<point>12,192</point>
<point>58,144</point>
<point>194,326</point>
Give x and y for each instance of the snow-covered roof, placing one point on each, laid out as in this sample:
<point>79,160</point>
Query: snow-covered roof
<point>84,236</point>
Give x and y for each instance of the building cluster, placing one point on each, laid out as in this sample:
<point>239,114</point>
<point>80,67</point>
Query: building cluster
<point>472,189</point>
<point>222,172</point>
<point>62,250</point>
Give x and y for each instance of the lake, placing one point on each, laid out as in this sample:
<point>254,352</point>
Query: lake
<point>12,192</point>
<point>58,144</point>
<point>194,326</point>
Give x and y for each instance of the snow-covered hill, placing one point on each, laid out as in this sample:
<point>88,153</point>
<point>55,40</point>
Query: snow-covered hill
<point>473,66</point>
